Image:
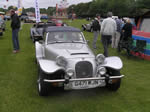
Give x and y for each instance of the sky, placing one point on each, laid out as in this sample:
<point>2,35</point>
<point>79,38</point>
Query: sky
<point>42,3</point>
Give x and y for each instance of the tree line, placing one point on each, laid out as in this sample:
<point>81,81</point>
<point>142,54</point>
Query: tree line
<point>122,8</point>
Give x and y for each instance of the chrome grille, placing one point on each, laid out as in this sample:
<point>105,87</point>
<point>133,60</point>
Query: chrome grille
<point>84,69</point>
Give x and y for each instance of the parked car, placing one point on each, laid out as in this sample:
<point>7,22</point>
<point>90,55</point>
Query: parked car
<point>2,26</point>
<point>23,17</point>
<point>44,17</point>
<point>88,27</point>
<point>30,20</point>
<point>65,60</point>
<point>7,17</point>
<point>36,31</point>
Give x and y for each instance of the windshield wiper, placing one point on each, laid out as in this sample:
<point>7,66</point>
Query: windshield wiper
<point>77,41</point>
<point>57,42</point>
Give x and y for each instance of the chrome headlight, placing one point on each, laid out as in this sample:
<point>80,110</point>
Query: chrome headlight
<point>101,71</point>
<point>70,72</point>
<point>61,61</point>
<point>100,58</point>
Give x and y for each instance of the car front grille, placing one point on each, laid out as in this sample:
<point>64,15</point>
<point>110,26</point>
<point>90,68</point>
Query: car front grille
<point>84,69</point>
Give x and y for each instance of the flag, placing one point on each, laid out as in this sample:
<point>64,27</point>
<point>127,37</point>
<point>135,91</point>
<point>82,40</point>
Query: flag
<point>37,11</point>
<point>19,7</point>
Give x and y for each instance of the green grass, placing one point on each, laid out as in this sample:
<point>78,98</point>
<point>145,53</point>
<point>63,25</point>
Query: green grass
<point>18,89</point>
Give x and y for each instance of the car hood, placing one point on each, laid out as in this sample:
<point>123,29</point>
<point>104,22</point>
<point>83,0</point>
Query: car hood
<point>70,50</point>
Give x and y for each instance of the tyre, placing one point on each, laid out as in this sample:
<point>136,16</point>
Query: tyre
<point>1,33</point>
<point>91,30</point>
<point>42,86</point>
<point>114,85</point>
<point>83,28</point>
<point>119,48</point>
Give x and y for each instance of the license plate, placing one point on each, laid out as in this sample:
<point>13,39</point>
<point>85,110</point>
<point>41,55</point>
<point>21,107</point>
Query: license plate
<point>87,84</point>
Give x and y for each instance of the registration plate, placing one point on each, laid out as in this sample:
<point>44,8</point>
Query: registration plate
<point>87,84</point>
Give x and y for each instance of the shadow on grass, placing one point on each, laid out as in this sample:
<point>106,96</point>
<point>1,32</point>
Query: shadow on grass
<point>88,93</point>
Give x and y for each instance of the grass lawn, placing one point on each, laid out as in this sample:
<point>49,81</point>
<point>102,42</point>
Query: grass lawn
<point>18,76</point>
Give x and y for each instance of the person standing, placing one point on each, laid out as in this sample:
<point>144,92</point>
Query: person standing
<point>108,29</point>
<point>127,30</point>
<point>15,25</point>
<point>116,38</point>
<point>96,29</point>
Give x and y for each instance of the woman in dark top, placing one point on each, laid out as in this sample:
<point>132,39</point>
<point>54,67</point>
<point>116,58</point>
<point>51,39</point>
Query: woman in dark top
<point>127,30</point>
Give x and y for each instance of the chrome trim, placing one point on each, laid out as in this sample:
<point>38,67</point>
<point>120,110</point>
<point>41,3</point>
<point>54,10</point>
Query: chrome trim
<point>83,79</point>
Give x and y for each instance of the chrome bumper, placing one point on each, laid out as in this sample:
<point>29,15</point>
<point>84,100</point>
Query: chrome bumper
<point>84,79</point>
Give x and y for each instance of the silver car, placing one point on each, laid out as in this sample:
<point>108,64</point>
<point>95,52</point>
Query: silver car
<point>88,27</point>
<point>65,60</point>
<point>2,26</point>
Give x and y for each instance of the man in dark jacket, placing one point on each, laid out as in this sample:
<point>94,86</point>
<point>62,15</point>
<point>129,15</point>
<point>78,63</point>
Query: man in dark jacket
<point>15,25</point>
<point>96,29</point>
<point>127,30</point>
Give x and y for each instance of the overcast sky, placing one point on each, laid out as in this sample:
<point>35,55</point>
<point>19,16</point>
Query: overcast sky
<point>42,3</point>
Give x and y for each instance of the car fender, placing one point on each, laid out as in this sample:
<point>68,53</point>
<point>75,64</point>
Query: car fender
<point>113,62</point>
<point>49,66</point>
<point>39,50</point>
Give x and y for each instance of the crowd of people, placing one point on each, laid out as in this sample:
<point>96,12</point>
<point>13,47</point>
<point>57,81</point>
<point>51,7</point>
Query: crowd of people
<point>111,31</point>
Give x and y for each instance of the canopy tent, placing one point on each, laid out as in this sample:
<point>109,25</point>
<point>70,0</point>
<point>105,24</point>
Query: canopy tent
<point>143,33</point>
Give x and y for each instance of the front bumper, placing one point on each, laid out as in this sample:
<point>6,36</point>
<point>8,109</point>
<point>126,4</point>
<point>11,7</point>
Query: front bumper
<point>84,79</point>
<point>84,83</point>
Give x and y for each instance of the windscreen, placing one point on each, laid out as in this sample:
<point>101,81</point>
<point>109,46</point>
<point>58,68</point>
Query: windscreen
<point>65,37</point>
<point>145,26</point>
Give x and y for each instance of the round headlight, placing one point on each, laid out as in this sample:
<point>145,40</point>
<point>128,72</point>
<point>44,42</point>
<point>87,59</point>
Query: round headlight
<point>100,58</point>
<point>61,61</point>
<point>101,71</point>
<point>70,72</point>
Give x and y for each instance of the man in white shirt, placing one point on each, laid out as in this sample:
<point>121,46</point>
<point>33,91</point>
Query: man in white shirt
<point>108,29</point>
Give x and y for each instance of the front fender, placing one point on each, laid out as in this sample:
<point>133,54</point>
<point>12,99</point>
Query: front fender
<point>39,50</point>
<point>113,62</point>
<point>49,66</point>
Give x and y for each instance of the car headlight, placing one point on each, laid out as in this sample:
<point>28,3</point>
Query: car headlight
<point>70,72</point>
<point>61,61</point>
<point>100,58</point>
<point>101,70</point>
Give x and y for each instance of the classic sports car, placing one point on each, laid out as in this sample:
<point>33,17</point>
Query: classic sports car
<point>2,26</point>
<point>88,27</point>
<point>30,20</point>
<point>36,32</point>
<point>65,60</point>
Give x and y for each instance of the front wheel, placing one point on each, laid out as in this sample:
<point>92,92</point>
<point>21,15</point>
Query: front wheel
<point>42,86</point>
<point>114,84</point>
<point>91,30</point>
<point>1,33</point>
